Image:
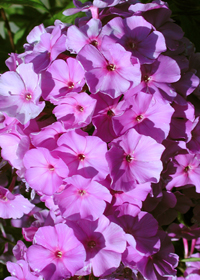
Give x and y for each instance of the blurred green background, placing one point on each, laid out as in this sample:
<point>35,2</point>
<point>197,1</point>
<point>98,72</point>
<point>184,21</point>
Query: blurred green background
<point>18,17</point>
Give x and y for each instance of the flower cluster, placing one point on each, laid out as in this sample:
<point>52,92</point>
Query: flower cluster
<point>100,146</point>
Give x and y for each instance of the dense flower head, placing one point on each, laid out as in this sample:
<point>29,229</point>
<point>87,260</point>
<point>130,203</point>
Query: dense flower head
<point>99,129</point>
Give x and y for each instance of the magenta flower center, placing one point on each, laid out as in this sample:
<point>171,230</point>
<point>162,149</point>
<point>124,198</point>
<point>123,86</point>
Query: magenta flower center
<point>147,78</point>
<point>94,43</point>
<point>111,67</point>
<point>110,113</point>
<point>129,158</point>
<point>58,254</point>
<point>79,108</point>
<point>81,157</point>
<point>130,44</point>
<point>187,168</point>
<point>3,197</point>
<point>91,244</point>
<point>28,96</point>
<point>51,167</point>
<point>82,192</point>
<point>70,84</point>
<point>139,118</point>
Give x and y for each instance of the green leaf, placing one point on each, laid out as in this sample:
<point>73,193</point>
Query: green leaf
<point>33,3</point>
<point>2,248</point>
<point>190,260</point>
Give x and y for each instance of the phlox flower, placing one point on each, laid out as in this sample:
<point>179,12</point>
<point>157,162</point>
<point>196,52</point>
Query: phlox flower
<point>46,47</point>
<point>75,110</point>
<point>20,93</point>
<point>158,76</point>
<point>104,242</point>
<point>136,35</point>
<point>134,159</point>
<point>56,252</point>
<point>84,155</point>
<point>161,265</point>
<point>148,117</point>
<point>61,78</point>
<point>110,71</point>
<point>107,108</point>
<point>20,271</point>
<point>13,205</point>
<point>82,198</point>
<point>44,173</point>
<point>184,170</point>
<point>47,137</point>
<point>141,229</point>
<point>90,33</point>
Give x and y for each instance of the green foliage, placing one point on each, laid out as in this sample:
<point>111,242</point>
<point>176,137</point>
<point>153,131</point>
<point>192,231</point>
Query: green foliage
<point>22,16</point>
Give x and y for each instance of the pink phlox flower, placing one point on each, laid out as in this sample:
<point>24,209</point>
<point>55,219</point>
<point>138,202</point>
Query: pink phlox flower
<point>110,71</point>
<point>46,50</point>
<point>134,197</point>
<point>104,242</point>
<point>136,35</point>
<point>158,76</point>
<point>84,155</point>
<point>105,112</point>
<point>20,271</point>
<point>184,171</point>
<point>47,137</point>
<point>13,206</point>
<point>44,173</point>
<point>134,159</point>
<point>13,61</point>
<point>192,268</point>
<point>75,110</point>
<point>58,247</point>
<point>148,117</point>
<point>14,145</point>
<point>90,33</point>
<point>19,250</point>
<point>19,95</point>
<point>82,199</point>
<point>61,78</point>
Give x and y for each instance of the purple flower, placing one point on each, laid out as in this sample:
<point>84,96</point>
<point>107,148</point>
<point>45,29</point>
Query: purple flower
<point>110,71</point>
<point>135,34</point>
<point>61,78</point>
<point>44,173</point>
<point>187,171</point>
<point>13,206</point>
<point>134,159</point>
<point>82,198</point>
<point>84,155</point>
<point>56,248</point>
<point>148,117</point>
<point>75,110</point>
<point>104,242</point>
<point>46,49</point>
<point>90,33</point>
<point>20,270</point>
